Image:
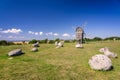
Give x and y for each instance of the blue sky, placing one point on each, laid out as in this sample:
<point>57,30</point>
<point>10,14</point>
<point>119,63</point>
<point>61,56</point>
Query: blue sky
<point>40,19</point>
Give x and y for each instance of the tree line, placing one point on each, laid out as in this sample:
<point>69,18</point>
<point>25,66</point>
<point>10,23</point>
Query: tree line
<point>46,41</point>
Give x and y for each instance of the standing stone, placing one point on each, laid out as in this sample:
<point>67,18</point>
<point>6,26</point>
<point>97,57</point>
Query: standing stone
<point>60,44</point>
<point>36,44</point>
<point>100,62</point>
<point>79,37</point>
<point>15,52</point>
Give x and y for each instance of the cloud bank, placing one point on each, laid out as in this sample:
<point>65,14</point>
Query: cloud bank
<point>35,33</point>
<point>66,35</point>
<point>13,30</point>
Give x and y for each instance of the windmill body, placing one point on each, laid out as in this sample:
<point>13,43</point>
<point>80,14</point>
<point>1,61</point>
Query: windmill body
<point>79,37</point>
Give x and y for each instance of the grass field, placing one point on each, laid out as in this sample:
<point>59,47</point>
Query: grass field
<point>49,63</point>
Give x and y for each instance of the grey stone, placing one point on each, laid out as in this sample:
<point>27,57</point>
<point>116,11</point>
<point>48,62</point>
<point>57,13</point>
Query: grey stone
<point>36,44</point>
<point>15,52</point>
<point>100,62</point>
<point>60,44</point>
<point>35,49</point>
<point>108,53</point>
<point>78,46</point>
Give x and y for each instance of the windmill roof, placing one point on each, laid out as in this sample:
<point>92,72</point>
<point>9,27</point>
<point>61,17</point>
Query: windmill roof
<point>79,28</point>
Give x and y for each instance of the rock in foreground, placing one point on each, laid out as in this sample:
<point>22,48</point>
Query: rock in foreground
<point>15,52</point>
<point>100,62</point>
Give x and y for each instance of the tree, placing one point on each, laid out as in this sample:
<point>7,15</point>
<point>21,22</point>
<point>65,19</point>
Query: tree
<point>33,41</point>
<point>57,39</point>
<point>97,39</point>
<point>46,40</point>
<point>3,42</point>
<point>112,38</point>
<point>67,41</point>
<point>51,41</point>
<point>74,40</point>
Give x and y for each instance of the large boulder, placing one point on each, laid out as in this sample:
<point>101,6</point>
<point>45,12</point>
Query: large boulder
<point>15,52</point>
<point>35,49</point>
<point>100,62</point>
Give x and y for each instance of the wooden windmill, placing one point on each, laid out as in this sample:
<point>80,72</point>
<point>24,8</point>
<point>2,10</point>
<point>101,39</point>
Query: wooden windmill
<point>79,35</point>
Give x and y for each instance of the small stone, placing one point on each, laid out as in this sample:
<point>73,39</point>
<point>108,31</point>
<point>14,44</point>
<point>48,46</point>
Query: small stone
<point>34,49</point>
<point>78,46</point>
<point>15,52</point>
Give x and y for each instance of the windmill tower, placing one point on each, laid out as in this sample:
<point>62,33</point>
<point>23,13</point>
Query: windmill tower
<point>79,35</point>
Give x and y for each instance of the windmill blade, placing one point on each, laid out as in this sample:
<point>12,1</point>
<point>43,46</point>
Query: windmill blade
<point>74,28</point>
<point>84,24</point>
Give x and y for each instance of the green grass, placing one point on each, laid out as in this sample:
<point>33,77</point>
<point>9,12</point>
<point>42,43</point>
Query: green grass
<point>49,63</point>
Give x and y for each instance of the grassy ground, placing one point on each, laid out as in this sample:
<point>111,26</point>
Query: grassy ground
<point>49,63</point>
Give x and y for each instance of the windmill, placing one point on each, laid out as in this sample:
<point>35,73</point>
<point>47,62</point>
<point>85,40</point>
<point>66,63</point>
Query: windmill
<point>79,35</point>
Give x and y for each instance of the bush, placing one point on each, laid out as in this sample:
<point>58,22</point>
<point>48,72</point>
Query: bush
<point>51,41</point>
<point>43,41</point>
<point>74,40</point>
<point>10,43</point>
<point>67,41</point>
<point>57,39</point>
<point>3,42</point>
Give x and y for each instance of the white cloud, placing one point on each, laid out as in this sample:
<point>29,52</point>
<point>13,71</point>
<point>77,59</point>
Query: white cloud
<point>55,34</point>
<point>36,33</point>
<point>41,33</point>
<point>15,31</point>
<point>49,33</point>
<point>16,37</point>
<point>66,35</point>
<point>30,32</point>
